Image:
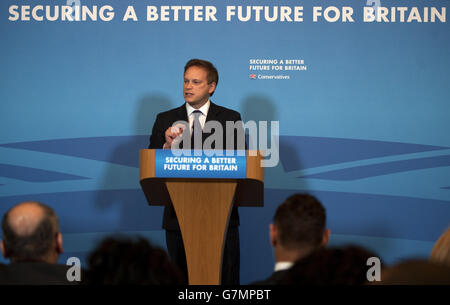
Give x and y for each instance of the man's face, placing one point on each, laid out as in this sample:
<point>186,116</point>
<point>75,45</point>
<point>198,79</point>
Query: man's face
<point>196,90</point>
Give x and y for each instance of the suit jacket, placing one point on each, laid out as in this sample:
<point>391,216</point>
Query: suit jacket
<point>165,120</point>
<point>36,273</point>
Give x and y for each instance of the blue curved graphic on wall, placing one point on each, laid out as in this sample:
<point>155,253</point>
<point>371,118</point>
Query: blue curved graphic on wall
<point>33,174</point>
<point>366,171</point>
<point>119,150</point>
<point>112,163</point>
<point>305,152</point>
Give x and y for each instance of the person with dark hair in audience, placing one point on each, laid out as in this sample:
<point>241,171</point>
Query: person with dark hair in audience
<point>331,266</point>
<point>299,228</point>
<point>33,243</point>
<point>131,261</point>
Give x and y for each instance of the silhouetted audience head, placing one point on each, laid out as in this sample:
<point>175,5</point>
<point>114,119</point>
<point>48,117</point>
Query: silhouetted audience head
<point>416,272</point>
<point>31,233</point>
<point>121,260</point>
<point>299,225</point>
<point>331,266</point>
<point>441,249</point>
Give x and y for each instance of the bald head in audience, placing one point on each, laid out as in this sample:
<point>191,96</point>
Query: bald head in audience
<point>31,233</point>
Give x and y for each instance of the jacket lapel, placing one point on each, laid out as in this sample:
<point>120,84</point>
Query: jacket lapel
<point>181,115</point>
<point>213,112</point>
<point>213,115</point>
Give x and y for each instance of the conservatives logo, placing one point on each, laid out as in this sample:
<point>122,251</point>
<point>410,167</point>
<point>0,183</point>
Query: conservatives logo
<point>260,76</point>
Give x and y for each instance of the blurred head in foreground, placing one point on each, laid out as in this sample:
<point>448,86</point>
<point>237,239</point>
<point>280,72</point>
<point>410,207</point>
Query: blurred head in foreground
<point>331,266</point>
<point>131,261</point>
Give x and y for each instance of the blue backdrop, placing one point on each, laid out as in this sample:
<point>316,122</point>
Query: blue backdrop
<point>364,127</point>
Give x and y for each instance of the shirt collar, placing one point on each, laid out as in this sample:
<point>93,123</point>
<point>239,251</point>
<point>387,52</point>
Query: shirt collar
<point>204,109</point>
<point>283,266</point>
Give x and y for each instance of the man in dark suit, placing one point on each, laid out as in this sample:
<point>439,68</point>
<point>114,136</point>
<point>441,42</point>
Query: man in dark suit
<point>200,81</point>
<point>31,239</point>
<point>298,229</point>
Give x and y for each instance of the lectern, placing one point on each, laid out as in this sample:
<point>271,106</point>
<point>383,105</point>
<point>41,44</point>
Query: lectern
<point>203,207</point>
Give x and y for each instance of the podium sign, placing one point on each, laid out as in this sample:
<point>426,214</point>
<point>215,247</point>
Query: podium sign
<point>168,165</point>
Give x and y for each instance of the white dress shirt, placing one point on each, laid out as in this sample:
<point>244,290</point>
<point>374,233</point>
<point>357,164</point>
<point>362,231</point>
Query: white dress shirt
<point>283,266</point>
<point>202,118</point>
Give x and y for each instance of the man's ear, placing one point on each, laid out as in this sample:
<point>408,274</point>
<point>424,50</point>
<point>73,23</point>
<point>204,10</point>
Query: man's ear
<point>326,237</point>
<point>59,244</point>
<point>273,235</point>
<point>212,88</point>
<point>4,251</point>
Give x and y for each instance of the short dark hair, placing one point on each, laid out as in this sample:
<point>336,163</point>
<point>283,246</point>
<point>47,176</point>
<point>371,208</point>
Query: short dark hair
<point>212,74</point>
<point>300,221</point>
<point>37,244</point>
<point>126,260</point>
<point>331,266</point>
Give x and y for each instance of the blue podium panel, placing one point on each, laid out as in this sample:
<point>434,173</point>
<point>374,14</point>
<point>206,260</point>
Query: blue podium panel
<point>198,164</point>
